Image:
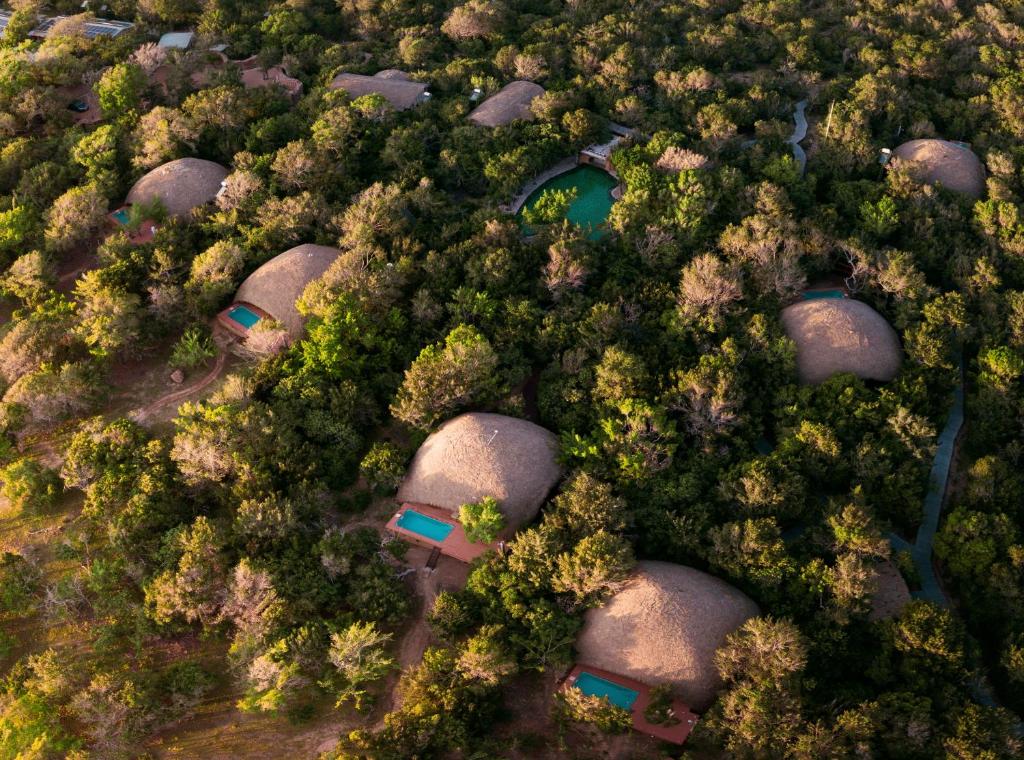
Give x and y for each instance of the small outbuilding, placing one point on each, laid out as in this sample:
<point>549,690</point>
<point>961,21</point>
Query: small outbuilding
<point>952,165</point>
<point>181,185</point>
<point>664,627</point>
<point>401,93</point>
<point>479,454</point>
<point>510,103</point>
<point>272,290</point>
<point>834,335</point>
<point>177,40</point>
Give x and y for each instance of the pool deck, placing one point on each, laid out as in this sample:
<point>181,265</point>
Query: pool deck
<point>676,734</point>
<point>563,166</point>
<point>456,545</point>
<point>143,233</point>
<point>234,327</point>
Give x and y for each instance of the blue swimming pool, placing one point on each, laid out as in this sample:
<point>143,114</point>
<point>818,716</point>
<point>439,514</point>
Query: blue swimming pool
<point>812,295</point>
<point>121,215</point>
<point>595,686</point>
<point>428,527</point>
<point>244,316</point>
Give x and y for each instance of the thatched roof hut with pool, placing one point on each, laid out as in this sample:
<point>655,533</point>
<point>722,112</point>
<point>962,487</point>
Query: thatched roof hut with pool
<point>834,335</point>
<point>466,459</point>
<point>663,627</point>
<point>271,291</point>
<point>941,162</point>
<point>181,185</point>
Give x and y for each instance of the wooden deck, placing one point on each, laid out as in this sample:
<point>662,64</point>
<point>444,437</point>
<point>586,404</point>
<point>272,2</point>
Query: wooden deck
<point>456,545</point>
<point>676,734</point>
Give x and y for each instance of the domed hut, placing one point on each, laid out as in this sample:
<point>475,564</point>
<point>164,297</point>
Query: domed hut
<point>510,103</point>
<point>834,335</point>
<point>664,627</point>
<point>477,455</point>
<point>180,185</point>
<point>391,84</point>
<point>940,162</point>
<point>272,290</point>
<point>891,592</point>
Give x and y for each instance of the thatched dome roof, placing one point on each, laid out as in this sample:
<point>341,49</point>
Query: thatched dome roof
<point>509,103</point>
<point>891,593</point>
<point>835,335</point>
<point>393,74</point>
<point>953,166</point>
<point>665,626</point>
<point>401,93</point>
<point>181,185</point>
<point>277,285</point>
<point>477,455</point>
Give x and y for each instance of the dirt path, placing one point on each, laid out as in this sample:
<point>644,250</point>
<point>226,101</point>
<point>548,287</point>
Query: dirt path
<point>218,366</point>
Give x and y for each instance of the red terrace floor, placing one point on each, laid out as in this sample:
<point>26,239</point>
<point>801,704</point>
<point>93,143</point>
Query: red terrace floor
<point>676,734</point>
<point>456,545</point>
<point>234,327</point>
<point>143,233</point>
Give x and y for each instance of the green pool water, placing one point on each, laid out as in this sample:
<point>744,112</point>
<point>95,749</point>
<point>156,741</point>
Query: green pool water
<point>425,526</point>
<point>812,295</point>
<point>121,215</point>
<point>595,686</point>
<point>244,316</point>
<point>593,197</point>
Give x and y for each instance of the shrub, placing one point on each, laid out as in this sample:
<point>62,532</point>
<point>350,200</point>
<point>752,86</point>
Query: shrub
<point>573,705</point>
<point>30,486</point>
<point>482,520</point>
<point>383,467</point>
<point>194,348</point>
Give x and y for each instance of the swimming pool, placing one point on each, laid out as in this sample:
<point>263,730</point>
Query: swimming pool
<point>121,216</point>
<point>593,197</point>
<point>595,686</point>
<point>428,527</point>
<point>812,295</point>
<point>244,316</point>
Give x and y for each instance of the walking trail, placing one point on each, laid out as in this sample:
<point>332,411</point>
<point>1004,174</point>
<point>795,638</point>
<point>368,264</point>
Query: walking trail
<point>143,414</point>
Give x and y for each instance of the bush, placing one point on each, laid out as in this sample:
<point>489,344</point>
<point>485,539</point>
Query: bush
<point>573,705</point>
<point>383,467</point>
<point>30,486</point>
<point>194,348</point>
<point>482,521</point>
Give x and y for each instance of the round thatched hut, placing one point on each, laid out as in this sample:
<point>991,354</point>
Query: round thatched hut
<point>512,102</point>
<point>665,626</point>
<point>477,455</point>
<point>891,592</point>
<point>181,185</point>
<point>940,162</point>
<point>834,335</point>
<point>276,286</point>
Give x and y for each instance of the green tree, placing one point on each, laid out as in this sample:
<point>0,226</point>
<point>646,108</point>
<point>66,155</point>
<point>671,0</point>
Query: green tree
<point>482,520</point>
<point>30,487</point>
<point>357,654</point>
<point>120,89</point>
<point>446,378</point>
